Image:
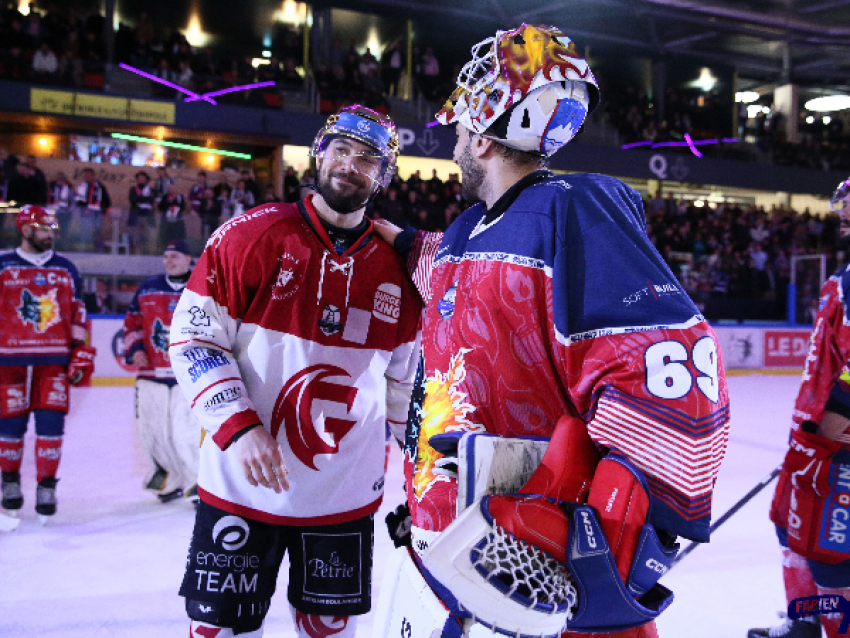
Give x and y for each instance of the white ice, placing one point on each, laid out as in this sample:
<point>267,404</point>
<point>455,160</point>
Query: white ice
<point>109,564</point>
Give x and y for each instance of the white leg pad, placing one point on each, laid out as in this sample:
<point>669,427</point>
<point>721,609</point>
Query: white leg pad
<point>184,439</point>
<point>407,605</point>
<point>152,425</point>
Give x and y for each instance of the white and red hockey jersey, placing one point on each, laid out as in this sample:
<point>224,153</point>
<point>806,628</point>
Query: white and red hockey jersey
<point>147,324</point>
<point>275,327</point>
<point>41,309</point>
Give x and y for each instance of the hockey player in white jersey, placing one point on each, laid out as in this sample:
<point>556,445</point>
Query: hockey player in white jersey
<point>296,342</point>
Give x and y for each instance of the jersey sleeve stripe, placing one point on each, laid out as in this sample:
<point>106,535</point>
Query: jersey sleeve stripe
<point>209,343</point>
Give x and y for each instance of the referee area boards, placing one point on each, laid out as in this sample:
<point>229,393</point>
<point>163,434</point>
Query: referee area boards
<point>774,349</point>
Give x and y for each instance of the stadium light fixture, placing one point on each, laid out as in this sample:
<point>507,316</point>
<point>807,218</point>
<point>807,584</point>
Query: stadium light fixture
<point>186,147</point>
<point>746,96</point>
<point>828,103</point>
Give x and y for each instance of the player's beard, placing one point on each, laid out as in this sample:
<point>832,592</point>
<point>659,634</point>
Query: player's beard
<point>471,173</point>
<point>40,245</point>
<point>344,202</point>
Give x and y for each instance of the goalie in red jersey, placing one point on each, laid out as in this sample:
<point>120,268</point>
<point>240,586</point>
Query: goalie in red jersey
<point>554,337</point>
<point>42,350</point>
<point>811,504</point>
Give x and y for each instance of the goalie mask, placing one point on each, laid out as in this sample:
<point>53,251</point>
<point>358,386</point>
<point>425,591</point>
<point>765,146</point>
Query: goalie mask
<point>367,127</point>
<point>529,88</point>
<point>840,203</point>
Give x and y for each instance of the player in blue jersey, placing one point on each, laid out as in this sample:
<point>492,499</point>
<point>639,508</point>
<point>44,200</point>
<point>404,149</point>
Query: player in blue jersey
<point>169,433</point>
<point>42,350</point>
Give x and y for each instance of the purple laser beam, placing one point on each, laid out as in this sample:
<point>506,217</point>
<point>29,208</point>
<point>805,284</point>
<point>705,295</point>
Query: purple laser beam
<point>242,87</point>
<point>691,143</point>
<point>167,83</point>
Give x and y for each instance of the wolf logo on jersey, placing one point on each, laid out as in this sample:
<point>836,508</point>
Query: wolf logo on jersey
<point>41,312</point>
<point>159,337</point>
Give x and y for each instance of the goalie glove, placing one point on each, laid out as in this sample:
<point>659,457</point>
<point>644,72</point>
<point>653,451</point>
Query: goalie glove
<point>81,366</point>
<point>531,563</point>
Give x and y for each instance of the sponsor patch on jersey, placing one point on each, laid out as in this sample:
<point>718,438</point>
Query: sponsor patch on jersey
<point>357,325</point>
<point>220,399</point>
<point>446,305</point>
<point>42,312</point>
<point>203,360</point>
<point>159,337</point>
<point>330,322</point>
<point>172,306</point>
<point>387,303</point>
<point>40,279</point>
<point>199,316</point>
<point>823,301</point>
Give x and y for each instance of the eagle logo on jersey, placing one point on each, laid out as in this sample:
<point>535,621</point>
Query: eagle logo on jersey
<point>444,409</point>
<point>159,337</point>
<point>293,410</point>
<point>41,312</point>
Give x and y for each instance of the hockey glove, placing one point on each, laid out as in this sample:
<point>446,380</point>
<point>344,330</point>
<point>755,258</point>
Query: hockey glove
<point>398,525</point>
<point>81,365</point>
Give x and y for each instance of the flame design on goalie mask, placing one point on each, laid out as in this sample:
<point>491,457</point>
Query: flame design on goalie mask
<point>507,67</point>
<point>444,410</point>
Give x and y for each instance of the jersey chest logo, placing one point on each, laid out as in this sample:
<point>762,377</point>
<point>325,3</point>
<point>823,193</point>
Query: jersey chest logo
<point>159,337</point>
<point>41,312</point>
<point>293,409</point>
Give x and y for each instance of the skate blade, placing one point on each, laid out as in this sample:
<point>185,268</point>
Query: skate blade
<point>43,519</point>
<point>9,523</point>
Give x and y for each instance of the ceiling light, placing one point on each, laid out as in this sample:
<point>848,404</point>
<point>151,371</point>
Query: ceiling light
<point>829,103</point>
<point>746,96</point>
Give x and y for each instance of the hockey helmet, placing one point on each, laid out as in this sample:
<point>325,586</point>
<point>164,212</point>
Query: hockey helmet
<point>840,203</point>
<point>530,87</point>
<point>33,215</point>
<point>367,127</point>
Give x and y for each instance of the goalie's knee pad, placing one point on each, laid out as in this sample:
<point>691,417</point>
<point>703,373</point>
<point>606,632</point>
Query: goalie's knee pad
<point>242,618</point>
<point>614,555</point>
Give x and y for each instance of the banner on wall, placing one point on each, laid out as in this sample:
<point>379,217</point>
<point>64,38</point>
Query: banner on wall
<point>107,335</point>
<point>753,348</point>
<point>100,106</point>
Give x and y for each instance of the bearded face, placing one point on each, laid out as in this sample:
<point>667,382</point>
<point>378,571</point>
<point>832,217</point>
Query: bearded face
<point>347,175</point>
<point>40,238</point>
<point>472,174</point>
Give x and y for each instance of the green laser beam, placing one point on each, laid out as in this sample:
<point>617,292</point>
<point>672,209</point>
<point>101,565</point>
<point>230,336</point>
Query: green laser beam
<point>186,147</point>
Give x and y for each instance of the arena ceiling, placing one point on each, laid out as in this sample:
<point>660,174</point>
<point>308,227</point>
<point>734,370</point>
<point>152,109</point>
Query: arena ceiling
<point>768,42</point>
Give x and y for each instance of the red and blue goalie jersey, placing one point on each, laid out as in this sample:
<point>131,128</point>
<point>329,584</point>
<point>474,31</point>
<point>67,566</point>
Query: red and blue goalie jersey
<point>561,305</point>
<point>147,325</point>
<point>41,310</point>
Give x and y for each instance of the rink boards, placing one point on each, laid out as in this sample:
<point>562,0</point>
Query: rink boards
<point>744,347</point>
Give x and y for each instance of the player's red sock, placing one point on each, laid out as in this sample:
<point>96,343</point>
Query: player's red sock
<point>11,453</point>
<point>832,622</point>
<point>798,579</point>
<point>644,631</point>
<point>48,451</point>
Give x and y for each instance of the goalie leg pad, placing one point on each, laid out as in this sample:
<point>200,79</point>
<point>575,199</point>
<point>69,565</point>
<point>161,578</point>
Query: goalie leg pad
<point>407,606</point>
<point>184,438</point>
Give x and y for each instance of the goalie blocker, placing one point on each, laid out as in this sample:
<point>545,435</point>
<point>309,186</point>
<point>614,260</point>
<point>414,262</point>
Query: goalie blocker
<point>539,561</point>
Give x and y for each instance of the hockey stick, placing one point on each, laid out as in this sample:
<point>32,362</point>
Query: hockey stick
<point>767,480</point>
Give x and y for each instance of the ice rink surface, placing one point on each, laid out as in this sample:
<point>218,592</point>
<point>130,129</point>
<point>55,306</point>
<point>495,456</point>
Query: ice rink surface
<point>110,562</point>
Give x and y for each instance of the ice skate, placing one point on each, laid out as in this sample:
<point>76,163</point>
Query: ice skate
<point>192,495</point>
<point>45,499</point>
<point>167,497</point>
<point>789,629</point>
<point>13,498</point>
<point>8,523</point>
<point>155,481</point>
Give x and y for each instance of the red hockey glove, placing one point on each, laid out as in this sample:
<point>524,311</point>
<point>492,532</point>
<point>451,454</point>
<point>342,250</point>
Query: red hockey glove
<point>81,366</point>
